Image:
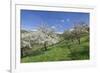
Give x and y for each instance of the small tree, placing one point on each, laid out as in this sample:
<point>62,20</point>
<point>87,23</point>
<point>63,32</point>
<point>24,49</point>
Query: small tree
<point>79,29</point>
<point>25,43</point>
<point>68,35</point>
<point>46,36</point>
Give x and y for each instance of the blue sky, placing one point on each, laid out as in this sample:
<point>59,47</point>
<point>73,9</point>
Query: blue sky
<point>61,21</point>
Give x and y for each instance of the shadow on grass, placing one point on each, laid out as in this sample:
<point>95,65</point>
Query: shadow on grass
<point>36,52</point>
<point>33,53</point>
<point>79,52</point>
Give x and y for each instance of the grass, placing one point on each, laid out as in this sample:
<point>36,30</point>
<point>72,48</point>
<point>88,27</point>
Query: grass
<point>61,52</point>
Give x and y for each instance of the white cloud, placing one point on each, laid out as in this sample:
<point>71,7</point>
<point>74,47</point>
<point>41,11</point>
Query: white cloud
<point>34,30</point>
<point>53,27</point>
<point>62,20</point>
<point>68,20</point>
<point>59,32</point>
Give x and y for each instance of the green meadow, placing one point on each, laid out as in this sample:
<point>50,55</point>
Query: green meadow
<point>65,50</point>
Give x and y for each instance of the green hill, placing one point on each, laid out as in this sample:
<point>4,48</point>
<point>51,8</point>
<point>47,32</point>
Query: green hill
<point>62,51</point>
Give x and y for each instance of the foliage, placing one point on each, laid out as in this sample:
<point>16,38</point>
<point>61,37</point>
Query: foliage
<point>43,36</point>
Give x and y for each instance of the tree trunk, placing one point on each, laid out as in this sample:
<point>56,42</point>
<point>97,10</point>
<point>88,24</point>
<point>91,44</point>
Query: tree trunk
<point>79,40</point>
<point>45,46</point>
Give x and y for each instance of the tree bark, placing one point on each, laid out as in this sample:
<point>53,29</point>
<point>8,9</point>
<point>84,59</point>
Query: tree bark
<point>45,46</point>
<point>79,41</point>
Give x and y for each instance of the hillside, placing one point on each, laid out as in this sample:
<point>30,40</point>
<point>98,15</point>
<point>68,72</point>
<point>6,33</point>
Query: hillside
<point>61,52</point>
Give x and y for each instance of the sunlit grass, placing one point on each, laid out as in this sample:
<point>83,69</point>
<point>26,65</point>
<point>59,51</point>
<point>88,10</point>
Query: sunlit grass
<point>61,52</point>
